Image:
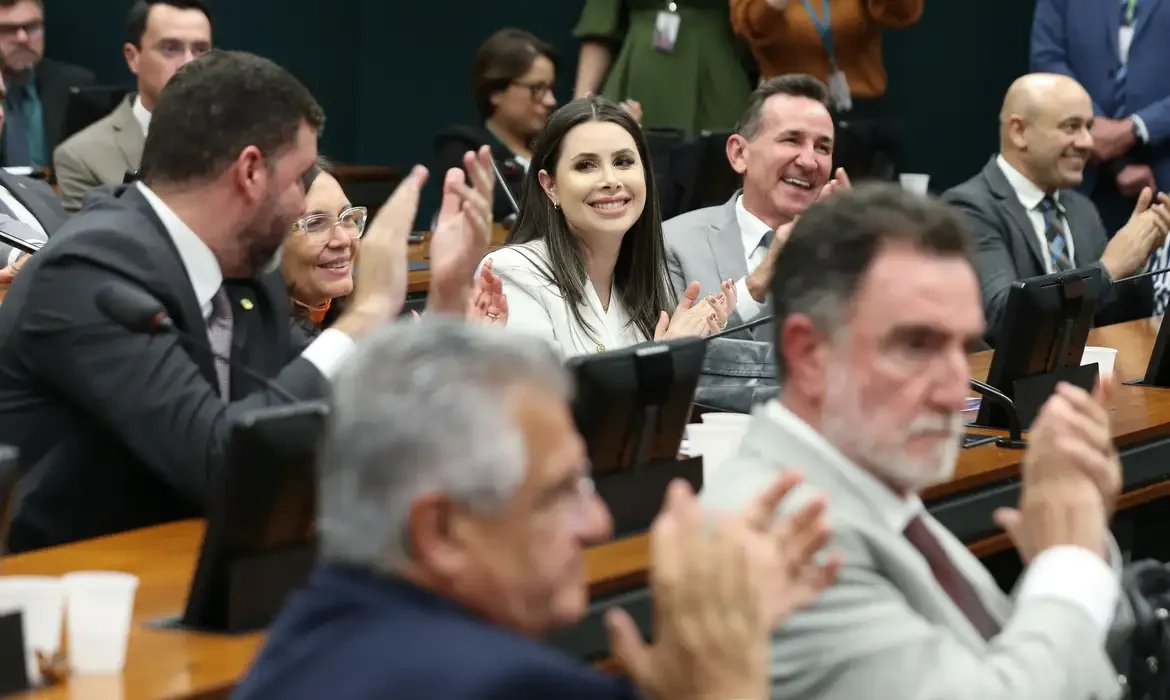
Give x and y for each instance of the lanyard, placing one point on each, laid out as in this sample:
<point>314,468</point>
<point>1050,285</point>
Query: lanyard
<point>824,25</point>
<point>1130,9</point>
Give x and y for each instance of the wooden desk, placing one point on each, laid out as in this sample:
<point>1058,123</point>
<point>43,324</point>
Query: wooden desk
<point>418,281</point>
<point>160,664</point>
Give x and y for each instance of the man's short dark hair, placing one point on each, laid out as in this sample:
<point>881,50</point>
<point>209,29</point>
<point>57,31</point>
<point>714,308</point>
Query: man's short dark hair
<point>140,14</point>
<point>834,243</point>
<point>501,60</point>
<point>216,106</point>
<point>793,84</point>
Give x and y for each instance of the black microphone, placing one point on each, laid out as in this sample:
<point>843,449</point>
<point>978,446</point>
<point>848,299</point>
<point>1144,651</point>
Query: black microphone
<point>19,243</point>
<point>1139,276</point>
<point>135,310</point>
<point>747,326</point>
<point>504,186</point>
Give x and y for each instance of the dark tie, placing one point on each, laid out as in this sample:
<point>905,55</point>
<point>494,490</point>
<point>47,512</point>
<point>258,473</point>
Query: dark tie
<point>1129,13</point>
<point>951,579</point>
<point>17,152</point>
<point>1055,234</point>
<point>219,335</point>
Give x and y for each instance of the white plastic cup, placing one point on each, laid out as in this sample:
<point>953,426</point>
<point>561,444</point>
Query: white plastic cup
<point>715,418</point>
<point>918,183</point>
<point>715,442</point>
<point>1104,357</point>
<point>40,600</point>
<point>99,610</point>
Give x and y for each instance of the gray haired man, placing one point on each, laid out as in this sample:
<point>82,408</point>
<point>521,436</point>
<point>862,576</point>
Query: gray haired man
<point>455,505</point>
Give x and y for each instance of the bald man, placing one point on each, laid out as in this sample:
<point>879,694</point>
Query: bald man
<point>1029,221</point>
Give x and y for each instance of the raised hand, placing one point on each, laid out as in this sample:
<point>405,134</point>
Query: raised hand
<point>488,302</point>
<point>689,319</point>
<point>759,280</point>
<point>463,230</point>
<point>840,181</point>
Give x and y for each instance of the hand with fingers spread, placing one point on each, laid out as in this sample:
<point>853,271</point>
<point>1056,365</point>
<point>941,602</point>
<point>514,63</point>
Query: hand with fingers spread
<point>1129,249</point>
<point>689,319</point>
<point>723,304</point>
<point>463,231</point>
<point>380,290</point>
<point>718,592</point>
<point>488,302</point>
<point>1071,476</point>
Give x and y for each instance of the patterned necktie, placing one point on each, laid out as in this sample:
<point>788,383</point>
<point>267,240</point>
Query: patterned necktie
<point>1129,14</point>
<point>219,335</point>
<point>1055,234</point>
<point>951,579</point>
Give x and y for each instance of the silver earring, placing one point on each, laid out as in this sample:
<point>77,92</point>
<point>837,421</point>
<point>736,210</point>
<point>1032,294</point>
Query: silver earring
<point>556,205</point>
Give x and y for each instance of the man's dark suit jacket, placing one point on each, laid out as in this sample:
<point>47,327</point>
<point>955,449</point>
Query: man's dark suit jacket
<point>119,430</point>
<point>53,80</point>
<point>351,636</point>
<point>1007,248</point>
<point>38,198</point>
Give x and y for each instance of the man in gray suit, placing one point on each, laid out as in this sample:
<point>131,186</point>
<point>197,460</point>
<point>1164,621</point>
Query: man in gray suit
<point>877,299</point>
<point>161,36</point>
<point>1029,221</point>
<point>783,148</point>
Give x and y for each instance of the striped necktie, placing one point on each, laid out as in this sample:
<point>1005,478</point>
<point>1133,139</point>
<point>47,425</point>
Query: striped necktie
<point>1129,18</point>
<point>219,336</point>
<point>952,581</point>
<point>1055,234</point>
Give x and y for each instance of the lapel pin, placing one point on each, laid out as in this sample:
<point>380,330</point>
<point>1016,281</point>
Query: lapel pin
<point>246,304</point>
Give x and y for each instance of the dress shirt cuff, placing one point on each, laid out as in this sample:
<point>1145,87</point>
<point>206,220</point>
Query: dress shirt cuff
<point>329,351</point>
<point>1139,126</point>
<point>14,255</point>
<point>745,305</point>
<point>1078,576</point>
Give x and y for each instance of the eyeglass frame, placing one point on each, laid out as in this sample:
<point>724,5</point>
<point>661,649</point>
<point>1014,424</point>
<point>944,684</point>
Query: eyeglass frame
<point>32,28</point>
<point>536,91</point>
<point>299,224</point>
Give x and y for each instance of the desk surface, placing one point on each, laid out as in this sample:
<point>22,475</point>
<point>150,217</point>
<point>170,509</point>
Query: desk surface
<point>169,664</point>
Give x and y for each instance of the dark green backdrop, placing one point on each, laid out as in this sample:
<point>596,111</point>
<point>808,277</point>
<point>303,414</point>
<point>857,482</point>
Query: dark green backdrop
<point>390,73</point>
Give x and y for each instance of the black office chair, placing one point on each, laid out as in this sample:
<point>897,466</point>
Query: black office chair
<point>703,172</point>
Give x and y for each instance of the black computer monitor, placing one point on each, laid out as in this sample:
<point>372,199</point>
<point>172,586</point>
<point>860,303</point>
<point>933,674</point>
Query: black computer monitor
<point>1040,341</point>
<point>1158,368</point>
<point>88,104</point>
<point>260,539</point>
<point>631,407</point>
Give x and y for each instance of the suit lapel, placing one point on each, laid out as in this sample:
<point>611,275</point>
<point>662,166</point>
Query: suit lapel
<point>1013,212</point>
<point>1111,21</point>
<point>1145,15</point>
<point>1081,226</point>
<point>128,133</point>
<point>726,243</point>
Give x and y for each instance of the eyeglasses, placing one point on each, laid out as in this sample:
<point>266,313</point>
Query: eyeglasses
<point>351,221</point>
<point>32,29</point>
<point>537,90</point>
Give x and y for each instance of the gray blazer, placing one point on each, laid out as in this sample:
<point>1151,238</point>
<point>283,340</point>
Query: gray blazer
<point>99,154</point>
<point>38,198</point>
<point>1007,248</point>
<point>885,628</point>
<point>705,245</point>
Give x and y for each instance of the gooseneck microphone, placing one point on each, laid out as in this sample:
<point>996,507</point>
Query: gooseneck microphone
<point>743,327</point>
<point>1141,275</point>
<point>137,311</point>
<point>19,243</point>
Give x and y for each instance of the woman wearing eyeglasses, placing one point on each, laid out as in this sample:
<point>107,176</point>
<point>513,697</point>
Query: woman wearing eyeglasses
<point>512,82</point>
<point>319,252</point>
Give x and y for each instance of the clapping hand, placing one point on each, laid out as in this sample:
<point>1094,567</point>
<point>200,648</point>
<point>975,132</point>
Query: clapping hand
<point>840,181</point>
<point>463,230</point>
<point>488,302</point>
<point>688,319</point>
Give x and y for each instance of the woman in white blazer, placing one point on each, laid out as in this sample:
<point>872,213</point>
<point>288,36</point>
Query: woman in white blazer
<point>585,263</point>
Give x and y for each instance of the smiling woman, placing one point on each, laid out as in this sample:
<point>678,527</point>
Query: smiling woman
<point>320,249</point>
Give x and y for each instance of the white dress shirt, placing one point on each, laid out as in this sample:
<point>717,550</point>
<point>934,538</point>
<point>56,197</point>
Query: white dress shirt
<point>537,308</point>
<point>141,114</point>
<point>327,352</point>
<point>752,230</point>
<point>1030,196</point>
<point>1071,574</point>
<point>24,216</point>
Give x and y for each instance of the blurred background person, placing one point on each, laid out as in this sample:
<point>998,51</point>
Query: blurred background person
<point>513,84</point>
<point>38,87</point>
<point>674,64</point>
<point>161,36</point>
<point>585,266</point>
<point>839,42</point>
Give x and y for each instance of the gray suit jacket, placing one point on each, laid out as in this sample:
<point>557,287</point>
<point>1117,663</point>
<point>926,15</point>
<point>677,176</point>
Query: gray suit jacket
<point>1007,248</point>
<point>885,628</point>
<point>705,246</point>
<point>38,198</point>
<point>99,154</point>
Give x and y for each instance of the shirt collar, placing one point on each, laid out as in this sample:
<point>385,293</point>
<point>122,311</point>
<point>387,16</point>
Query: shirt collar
<point>141,114</point>
<point>1026,191</point>
<point>750,227</point>
<point>894,510</point>
<point>202,267</point>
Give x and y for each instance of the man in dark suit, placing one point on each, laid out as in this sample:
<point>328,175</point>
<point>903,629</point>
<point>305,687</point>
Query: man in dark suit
<point>119,430</point>
<point>38,87</point>
<point>455,504</point>
<point>1027,219</point>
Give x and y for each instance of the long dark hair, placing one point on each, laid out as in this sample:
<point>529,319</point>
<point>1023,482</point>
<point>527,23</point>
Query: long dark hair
<point>640,279</point>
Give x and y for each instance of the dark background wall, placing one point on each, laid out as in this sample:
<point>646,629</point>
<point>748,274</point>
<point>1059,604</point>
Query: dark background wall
<point>391,73</point>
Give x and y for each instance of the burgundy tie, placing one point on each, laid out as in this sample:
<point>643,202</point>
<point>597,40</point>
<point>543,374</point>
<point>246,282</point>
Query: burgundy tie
<point>951,579</point>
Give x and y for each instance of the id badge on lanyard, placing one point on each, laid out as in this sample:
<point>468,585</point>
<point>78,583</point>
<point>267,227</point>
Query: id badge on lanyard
<point>666,26</point>
<point>839,93</point>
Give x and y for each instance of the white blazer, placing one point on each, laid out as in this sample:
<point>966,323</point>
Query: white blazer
<point>536,307</point>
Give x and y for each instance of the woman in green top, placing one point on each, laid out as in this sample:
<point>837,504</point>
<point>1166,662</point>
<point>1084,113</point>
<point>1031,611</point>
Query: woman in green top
<point>678,59</point>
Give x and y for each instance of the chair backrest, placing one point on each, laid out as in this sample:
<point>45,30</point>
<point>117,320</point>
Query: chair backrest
<point>702,166</point>
<point>661,144</point>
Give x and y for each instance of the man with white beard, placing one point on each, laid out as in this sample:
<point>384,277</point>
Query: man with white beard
<point>876,300</point>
